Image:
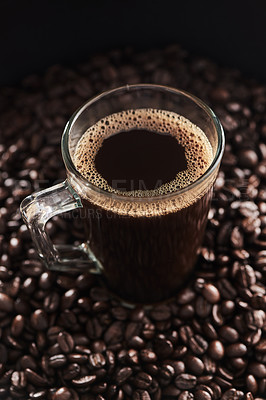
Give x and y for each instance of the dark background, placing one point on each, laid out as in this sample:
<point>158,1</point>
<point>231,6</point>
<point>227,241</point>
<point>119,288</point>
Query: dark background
<point>39,33</point>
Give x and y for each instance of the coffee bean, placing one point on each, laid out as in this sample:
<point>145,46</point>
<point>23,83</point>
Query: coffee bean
<point>18,379</point>
<point>141,395</point>
<point>62,394</point>
<point>186,395</point>
<point>198,344</point>
<point>17,325</point>
<point>185,333</point>
<point>162,347</point>
<point>114,333</point>
<point>194,365</point>
<point>65,342</point>
<point>148,356</point>
<point>211,293</point>
<point>248,158</point>
<point>217,316</point>
<point>93,328</point>
<point>209,331</point>
<point>236,350</point>
<point>232,394</point>
<point>39,320</point>
<point>229,334</point>
<point>122,375</point>
<point>40,395</point>
<point>171,391</point>
<point>257,369</point>
<point>202,307</point>
<point>185,381</point>
<point>35,378</point>
<point>57,361</point>
<point>136,342</point>
<point>185,296</point>
<point>51,302</point>
<point>6,303</point>
<point>160,312</point>
<point>69,298</point>
<point>97,360</point>
<point>142,380</point>
<point>202,395</point>
<point>78,358</point>
<point>71,371</point>
<point>84,382</point>
<point>216,350</point>
<point>255,319</point>
<point>166,372</point>
<point>252,384</point>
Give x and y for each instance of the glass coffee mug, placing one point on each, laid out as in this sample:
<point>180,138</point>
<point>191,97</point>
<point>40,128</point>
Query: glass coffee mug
<point>144,246</point>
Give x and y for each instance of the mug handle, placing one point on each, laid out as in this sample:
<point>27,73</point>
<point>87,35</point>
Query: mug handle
<point>37,209</point>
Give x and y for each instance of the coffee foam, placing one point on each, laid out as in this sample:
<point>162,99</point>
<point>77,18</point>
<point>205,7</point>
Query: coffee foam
<point>197,149</point>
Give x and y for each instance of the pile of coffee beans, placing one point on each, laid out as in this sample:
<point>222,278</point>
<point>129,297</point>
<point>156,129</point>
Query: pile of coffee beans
<point>62,335</point>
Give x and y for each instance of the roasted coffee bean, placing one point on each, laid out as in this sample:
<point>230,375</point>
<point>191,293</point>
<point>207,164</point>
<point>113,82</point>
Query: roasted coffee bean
<point>202,395</point>
<point>148,356</point>
<point>51,302</point>
<point>229,334</point>
<point>226,289</point>
<point>18,379</point>
<point>257,369</point>
<point>136,342</point>
<point>78,358</point>
<point>65,342</point>
<point>57,361</point>
<point>163,347</point>
<point>122,375</point>
<point>236,350</point>
<point>35,378</point>
<point>6,303</point>
<point>62,394</point>
<point>17,325</point>
<point>185,381</point>
<point>194,365</point>
<point>167,372</point>
<point>252,384</point>
<point>114,333</point>
<point>69,298</point>
<point>232,394</point>
<point>211,293</point>
<point>40,395</point>
<point>84,382</point>
<point>186,395</point>
<point>171,391</point>
<point>185,333</point>
<point>255,319</point>
<point>216,350</point>
<point>198,344</point>
<point>97,360</point>
<point>141,395</point>
<point>39,320</point>
<point>160,312</point>
<point>202,307</point>
<point>142,380</point>
<point>71,371</point>
<point>185,296</point>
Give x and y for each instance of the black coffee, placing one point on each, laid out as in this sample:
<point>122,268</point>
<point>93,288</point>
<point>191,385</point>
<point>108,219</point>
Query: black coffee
<point>144,235</point>
<point>139,160</point>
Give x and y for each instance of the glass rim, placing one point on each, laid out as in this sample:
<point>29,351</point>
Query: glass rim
<point>127,88</point>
